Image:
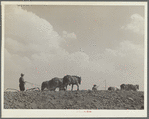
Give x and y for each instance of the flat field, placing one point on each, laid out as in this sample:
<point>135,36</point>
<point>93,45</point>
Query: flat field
<point>83,99</point>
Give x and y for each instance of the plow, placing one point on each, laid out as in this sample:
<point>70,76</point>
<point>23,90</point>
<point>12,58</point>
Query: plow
<point>30,89</point>
<point>8,89</point>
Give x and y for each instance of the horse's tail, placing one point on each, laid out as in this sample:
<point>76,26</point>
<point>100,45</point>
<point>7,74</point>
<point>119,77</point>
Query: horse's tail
<point>79,80</point>
<point>44,85</point>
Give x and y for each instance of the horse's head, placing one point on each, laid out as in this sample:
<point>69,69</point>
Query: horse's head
<point>44,85</point>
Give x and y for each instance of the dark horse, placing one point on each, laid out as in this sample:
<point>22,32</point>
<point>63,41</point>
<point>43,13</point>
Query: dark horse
<point>74,80</point>
<point>53,84</point>
<point>128,87</point>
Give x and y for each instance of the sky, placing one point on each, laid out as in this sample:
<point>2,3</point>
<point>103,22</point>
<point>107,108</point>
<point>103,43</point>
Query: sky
<point>97,43</point>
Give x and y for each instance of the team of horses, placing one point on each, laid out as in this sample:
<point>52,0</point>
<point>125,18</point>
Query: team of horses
<point>61,83</point>
<point>129,87</point>
<point>126,87</point>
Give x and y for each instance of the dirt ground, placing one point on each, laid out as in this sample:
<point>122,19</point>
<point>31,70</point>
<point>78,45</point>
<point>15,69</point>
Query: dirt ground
<point>83,99</point>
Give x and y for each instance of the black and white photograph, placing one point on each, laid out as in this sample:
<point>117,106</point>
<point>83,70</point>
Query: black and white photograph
<point>74,59</point>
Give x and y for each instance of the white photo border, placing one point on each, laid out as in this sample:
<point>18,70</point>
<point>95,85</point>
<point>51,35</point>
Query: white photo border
<point>25,113</point>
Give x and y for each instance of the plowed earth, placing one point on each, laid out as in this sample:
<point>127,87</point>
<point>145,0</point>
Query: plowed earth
<point>83,99</point>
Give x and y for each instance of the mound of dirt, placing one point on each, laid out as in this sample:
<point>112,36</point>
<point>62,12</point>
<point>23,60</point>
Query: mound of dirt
<point>83,99</point>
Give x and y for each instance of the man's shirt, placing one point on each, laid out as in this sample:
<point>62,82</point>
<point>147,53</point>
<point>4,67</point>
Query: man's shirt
<point>21,80</point>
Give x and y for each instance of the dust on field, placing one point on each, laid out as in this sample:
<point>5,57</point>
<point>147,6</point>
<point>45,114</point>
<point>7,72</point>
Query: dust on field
<point>83,99</point>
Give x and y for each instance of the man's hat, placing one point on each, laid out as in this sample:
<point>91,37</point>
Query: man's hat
<point>22,74</point>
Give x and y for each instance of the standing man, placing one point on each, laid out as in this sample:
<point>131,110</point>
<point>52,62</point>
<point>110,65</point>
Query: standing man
<point>22,83</point>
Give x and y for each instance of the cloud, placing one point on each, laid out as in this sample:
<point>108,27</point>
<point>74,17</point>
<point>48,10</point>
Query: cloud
<point>136,24</point>
<point>14,45</point>
<point>69,35</point>
<point>29,30</point>
<point>127,50</point>
<point>115,52</point>
<point>127,46</point>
